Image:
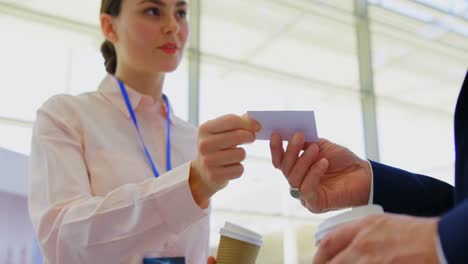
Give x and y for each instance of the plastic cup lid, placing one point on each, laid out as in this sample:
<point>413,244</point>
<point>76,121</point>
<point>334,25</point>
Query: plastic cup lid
<point>240,233</point>
<point>346,217</point>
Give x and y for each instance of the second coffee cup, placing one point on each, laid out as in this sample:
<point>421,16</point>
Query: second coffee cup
<point>354,214</point>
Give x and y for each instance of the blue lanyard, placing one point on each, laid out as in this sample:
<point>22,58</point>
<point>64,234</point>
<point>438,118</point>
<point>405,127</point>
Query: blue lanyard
<point>135,122</point>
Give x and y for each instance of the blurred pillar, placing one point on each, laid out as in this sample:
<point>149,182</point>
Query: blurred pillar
<point>194,62</point>
<point>366,78</point>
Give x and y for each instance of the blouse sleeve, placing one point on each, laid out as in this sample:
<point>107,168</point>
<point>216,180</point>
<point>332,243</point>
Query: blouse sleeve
<point>73,225</point>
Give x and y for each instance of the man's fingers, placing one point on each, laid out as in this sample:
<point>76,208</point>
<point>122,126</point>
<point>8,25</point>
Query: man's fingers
<point>313,176</point>
<point>300,169</point>
<point>276,149</point>
<point>345,256</point>
<point>336,241</point>
<point>292,153</point>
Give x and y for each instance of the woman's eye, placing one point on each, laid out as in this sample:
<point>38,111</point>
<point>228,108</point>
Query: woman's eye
<point>152,11</point>
<point>182,13</point>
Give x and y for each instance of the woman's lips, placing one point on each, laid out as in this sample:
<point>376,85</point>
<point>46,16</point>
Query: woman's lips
<point>169,48</point>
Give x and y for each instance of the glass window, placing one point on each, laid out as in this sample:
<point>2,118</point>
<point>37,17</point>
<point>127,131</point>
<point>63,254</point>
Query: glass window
<point>35,56</point>
<point>419,69</point>
<point>278,55</point>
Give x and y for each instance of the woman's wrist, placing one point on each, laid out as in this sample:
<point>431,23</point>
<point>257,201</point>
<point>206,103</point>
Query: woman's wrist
<point>200,191</point>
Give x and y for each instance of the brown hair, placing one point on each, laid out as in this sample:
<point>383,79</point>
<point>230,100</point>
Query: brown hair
<point>111,7</point>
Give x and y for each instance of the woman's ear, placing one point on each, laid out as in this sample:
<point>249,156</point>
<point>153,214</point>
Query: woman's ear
<point>108,27</point>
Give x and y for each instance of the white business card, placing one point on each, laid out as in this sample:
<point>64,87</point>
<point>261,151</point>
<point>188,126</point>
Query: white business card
<point>286,124</point>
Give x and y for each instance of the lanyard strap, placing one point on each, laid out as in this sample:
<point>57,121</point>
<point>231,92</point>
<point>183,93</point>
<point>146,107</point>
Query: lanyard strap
<point>135,122</point>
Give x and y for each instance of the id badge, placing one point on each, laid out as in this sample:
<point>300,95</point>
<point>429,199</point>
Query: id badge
<point>178,260</point>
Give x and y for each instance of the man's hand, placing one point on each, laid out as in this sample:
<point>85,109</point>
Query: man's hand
<point>381,239</point>
<point>328,175</point>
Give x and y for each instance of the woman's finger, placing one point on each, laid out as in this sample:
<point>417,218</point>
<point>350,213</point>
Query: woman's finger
<point>223,141</point>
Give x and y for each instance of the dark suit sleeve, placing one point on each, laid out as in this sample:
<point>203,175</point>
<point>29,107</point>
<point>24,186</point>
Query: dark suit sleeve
<point>402,192</point>
<point>453,234</point>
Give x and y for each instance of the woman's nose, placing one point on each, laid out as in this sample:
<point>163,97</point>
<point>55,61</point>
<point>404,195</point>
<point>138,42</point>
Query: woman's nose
<point>171,26</point>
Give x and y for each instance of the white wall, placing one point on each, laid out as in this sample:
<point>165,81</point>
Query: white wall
<point>17,240</point>
<point>13,172</point>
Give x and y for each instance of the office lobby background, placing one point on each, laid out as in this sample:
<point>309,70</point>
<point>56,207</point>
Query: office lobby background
<point>382,75</point>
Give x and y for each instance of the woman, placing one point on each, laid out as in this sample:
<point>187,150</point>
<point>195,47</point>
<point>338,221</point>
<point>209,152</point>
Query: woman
<point>115,176</point>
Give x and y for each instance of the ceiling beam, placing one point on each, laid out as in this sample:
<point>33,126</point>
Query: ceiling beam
<point>16,122</point>
<point>50,19</point>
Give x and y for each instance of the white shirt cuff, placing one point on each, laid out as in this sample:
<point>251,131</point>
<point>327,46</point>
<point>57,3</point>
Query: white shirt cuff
<point>371,193</point>
<point>440,252</point>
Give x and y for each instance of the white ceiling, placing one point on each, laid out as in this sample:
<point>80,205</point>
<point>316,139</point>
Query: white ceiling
<point>83,11</point>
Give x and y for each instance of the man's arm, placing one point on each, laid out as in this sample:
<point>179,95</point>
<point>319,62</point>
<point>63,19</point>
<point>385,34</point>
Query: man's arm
<point>454,234</point>
<point>402,192</point>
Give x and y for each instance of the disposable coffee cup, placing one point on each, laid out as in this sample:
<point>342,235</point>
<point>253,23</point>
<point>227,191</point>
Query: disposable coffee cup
<point>238,245</point>
<point>354,214</point>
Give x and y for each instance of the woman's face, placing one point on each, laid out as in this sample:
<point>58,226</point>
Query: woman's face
<point>151,34</point>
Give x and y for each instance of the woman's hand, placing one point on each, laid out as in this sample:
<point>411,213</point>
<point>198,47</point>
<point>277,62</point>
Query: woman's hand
<point>219,155</point>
